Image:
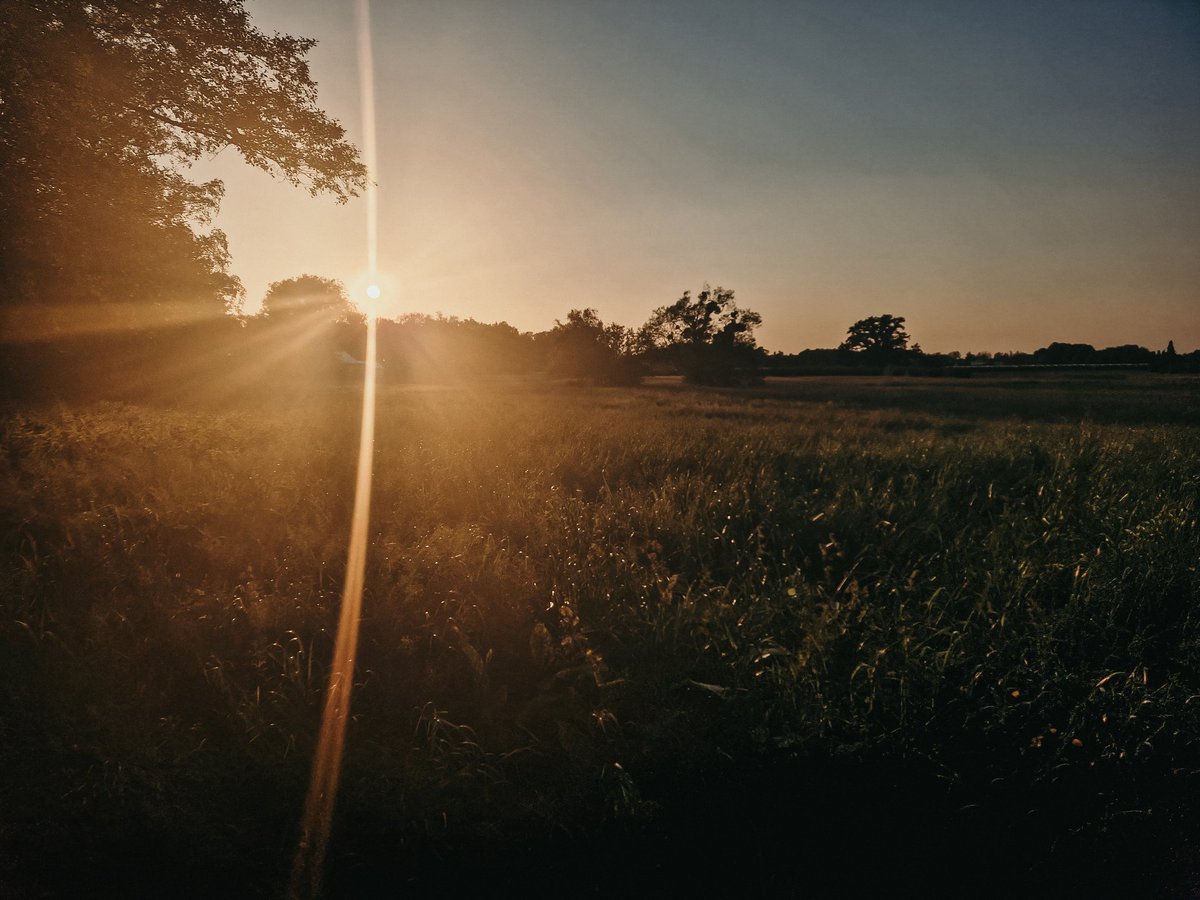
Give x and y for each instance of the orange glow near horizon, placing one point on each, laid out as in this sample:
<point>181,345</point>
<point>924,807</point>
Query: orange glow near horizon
<point>538,158</point>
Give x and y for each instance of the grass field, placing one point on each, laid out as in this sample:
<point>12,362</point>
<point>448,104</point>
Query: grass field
<point>937,636</point>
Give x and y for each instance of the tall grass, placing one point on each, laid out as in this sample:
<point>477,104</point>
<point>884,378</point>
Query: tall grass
<point>589,610</point>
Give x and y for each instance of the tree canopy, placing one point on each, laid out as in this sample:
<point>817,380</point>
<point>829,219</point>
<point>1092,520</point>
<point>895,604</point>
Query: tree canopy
<point>102,107</point>
<point>311,299</point>
<point>585,347</point>
<point>876,334</point>
<point>708,336</point>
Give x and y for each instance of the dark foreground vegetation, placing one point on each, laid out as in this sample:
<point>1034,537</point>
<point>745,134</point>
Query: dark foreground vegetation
<point>934,637</point>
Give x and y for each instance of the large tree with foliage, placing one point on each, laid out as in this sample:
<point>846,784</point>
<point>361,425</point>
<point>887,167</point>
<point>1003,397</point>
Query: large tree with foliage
<point>707,336</point>
<point>876,334</point>
<point>102,107</point>
<point>310,299</point>
<point>305,326</point>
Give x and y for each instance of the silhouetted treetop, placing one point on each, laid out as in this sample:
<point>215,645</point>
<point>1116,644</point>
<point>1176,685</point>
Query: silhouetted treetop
<point>310,297</point>
<point>417,347</point>
<point>585,347</point>
<point>708,337</point>
<point>1064,353</point>
<point>711,316</point>
<point>876,334</point>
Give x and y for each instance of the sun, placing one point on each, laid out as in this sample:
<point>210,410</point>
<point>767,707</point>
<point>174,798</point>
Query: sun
<point>375,294</point>
<point>371,306</point>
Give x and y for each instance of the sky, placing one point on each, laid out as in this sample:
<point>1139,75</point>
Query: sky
<point>1002,174</point>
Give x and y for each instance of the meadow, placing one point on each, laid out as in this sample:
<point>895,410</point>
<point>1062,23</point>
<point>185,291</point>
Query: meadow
<point>935,635</point>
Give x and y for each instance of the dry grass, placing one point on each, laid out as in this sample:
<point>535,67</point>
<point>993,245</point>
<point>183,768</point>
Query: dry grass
<point>600,618</point>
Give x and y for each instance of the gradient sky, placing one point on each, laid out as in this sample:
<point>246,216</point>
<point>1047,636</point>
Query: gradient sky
<point>1003,174</point>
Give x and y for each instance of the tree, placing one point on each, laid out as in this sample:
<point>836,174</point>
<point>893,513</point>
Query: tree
<point>877,334</point>
<point>102,107</point>
<point>584,347</point>
<point>417,347</point>
<point>304,327</point>
<point>310,300</point>
<point>707,336</point>
<point>1061,353</point>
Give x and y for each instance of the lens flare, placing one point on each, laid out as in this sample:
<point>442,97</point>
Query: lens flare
<point>327,761</point>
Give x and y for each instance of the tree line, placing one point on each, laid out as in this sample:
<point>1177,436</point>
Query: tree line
<point>706,337</point>
<point>308,334</point>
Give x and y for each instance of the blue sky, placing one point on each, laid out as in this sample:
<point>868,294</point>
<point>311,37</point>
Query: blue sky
<point>1002,174</point>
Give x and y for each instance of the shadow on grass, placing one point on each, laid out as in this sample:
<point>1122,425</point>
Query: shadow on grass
<point>1101,398</point>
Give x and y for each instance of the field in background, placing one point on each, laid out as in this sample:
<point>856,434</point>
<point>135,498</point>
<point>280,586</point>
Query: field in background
<point>940,636</point>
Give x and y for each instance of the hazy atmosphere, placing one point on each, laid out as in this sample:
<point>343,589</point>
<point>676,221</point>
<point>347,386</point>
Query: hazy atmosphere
<point>641,449</point>
<point>1004,175</point>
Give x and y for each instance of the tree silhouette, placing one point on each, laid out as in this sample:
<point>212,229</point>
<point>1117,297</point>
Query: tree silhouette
<point>584,347</point>
<point>707,336</point>
<point>443,349</point>
<point>305,326</point>
<point>311,299</point>
<point>1060,353</point>
<point>876,334</point>
<point>103,104</point>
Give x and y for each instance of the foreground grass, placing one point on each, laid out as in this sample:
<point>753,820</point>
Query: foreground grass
<point>613,639</point>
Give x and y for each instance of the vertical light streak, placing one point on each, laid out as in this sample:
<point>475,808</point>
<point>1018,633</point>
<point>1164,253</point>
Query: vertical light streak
<point>366,93</point>
<point>327,762</point>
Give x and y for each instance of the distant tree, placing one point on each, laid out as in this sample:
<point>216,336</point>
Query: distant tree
<point>305,325</point>
<point>310,298</point>
<point>877,334</point>
<point>1171,348</point>
<point>447,349</point>
<point>1059,353</point>
<point>584,347</point>
<point>707,336</point>
<point>1125,354</point>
